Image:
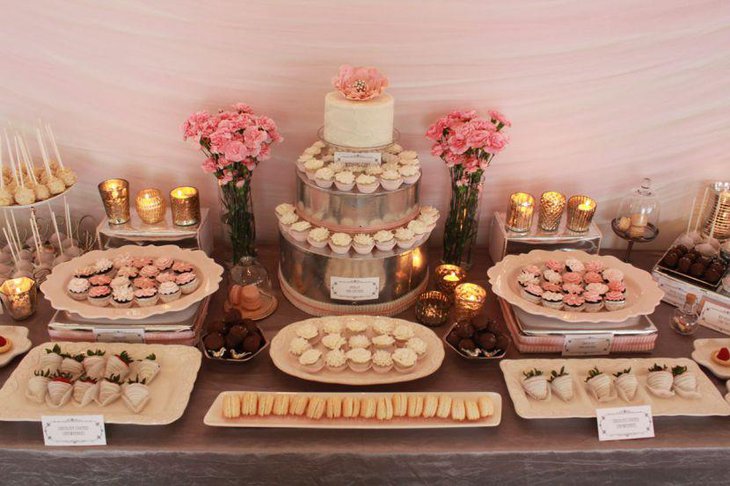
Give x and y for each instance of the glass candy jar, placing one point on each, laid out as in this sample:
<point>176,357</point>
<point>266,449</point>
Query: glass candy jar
<point>637,219</point>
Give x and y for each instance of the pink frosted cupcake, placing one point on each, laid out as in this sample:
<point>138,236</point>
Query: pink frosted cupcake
<point>592,277</point>
<point>181,267</point>
<point>593,301</point>
<point>532,293</point>
<point>164,263</point>
<point>572,289</point>
<point>99,280</point>
<point>595,266</point>
<point>149,271</point>
<point>551,287</point>
<point>166,277</point>
<point>574,302</point>
<point>616,286</point>
<point>144,283</point>
<point>572,278</point>
<point>614,301</point>
<point>100,296</point>
<point>555,266</point>
<point>532,269</point>
<point>141,262</point>
<point>188,282</point>
<point>129,272</point>
<point>146,297</point>
<point>120,261</point>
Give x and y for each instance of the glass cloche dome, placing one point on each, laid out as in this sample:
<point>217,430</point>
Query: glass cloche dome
<point>638,214</point>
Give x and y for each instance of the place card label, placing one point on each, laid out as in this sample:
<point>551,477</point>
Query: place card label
<point>354,289</point>
<point>625,423</point>
<point>358,158</point>
<point>118,335</point>
<point>73,430</point>
<point>715,316</point>
<point>674,292</point>
<point>587,344</point>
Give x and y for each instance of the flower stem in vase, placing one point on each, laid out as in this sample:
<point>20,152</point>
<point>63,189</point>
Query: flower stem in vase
<point>239,218</point>
<point>462,222</point>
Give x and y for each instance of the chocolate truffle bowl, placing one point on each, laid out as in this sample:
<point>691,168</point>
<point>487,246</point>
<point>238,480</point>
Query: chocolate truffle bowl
<point>233,340</point>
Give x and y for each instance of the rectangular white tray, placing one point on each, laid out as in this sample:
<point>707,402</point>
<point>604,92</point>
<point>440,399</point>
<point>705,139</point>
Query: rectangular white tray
<point>214,417</point>
<point>584,405</point>
<point>170,390</point>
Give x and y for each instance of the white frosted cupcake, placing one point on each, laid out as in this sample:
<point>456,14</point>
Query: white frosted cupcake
<point>324,177</point>
<point>312,166</point>
<point>300,230</point>
<point>404,238</point>
<point>287,220</point>
<point>359,359</point>
<point>384,240</point>
<point>311,360</point>
<point>283,208</point>
<point>408,155</point>
<point>382,361</point>
<point>298,345</point>
<point>336,360</point>
<point>394,149</point>
<point>302,160</point>
<point>384,341</point>
<point>363,244</point>
<point>78,288</point>
<point>420,230</point>
<point>120,283</point>
<point>410,173</point>
<point>340,243</point>
<point>358,341</point>
<point>337,167</point>
<point>391,166</point>
<point>318,237</point>
<point>309,332</point>
<point>333,341</point>
<point>122,298</point>
<point>404,359</point>
<point>366,183</point>
<point>402,333</point>
<point>169,291</point>
<point>391,180</point>
<point>389,158</point>
<point>383,325</point>
<point>356,326</point>
<point>313,150</point>
<point>429,220</point>
<point>374,170</point>
<point>332,325</point>
<point>418,345</point>
<point>345,180</point>
<point>553,300</point>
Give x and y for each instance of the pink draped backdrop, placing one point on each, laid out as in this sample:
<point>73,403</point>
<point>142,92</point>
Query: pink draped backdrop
<point>601,93</point>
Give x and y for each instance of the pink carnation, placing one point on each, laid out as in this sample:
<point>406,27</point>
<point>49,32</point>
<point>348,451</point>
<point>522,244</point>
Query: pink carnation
<point>499,118</point>
<point>359,83</point>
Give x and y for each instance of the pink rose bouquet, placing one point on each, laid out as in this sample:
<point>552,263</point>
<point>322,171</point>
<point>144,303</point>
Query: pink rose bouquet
<point>359,83</point>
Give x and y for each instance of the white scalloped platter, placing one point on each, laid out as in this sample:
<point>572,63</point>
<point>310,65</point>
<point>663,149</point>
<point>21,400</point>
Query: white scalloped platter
<point>642,292</point>
<point>170,390</point>
<point>289,364</point>
<point>208,271</point>
<point>583,405</point>
<point>18,335</point>
<point>703,349</point>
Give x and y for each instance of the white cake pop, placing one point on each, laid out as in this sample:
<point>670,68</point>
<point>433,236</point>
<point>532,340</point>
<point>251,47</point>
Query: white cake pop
<point>24,265</point>
<point>712,241</point>
<point>5,257</point>
<point>23,273</point>
<point>25,255</point>
<point>68,243</point>
<point>60,259</point>
<point>41,192</point>
<point>73,251</point>
<point>706,249</point>
<point>6,198</point>
<point>696,236</point>
<point>45,258</point>
<point>686,240</point>
<point>5,270</point>
<point>55,185</point>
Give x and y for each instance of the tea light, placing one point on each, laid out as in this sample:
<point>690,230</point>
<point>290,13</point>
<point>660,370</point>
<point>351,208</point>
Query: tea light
<point>580,213</point>
<point>185,205</point>
<point>115,196</point>
<point>469,299</point>
<point>552,204</point>
<point>150,206</point>
<point>448,277</point>
<point>19,297</point>
<point>521,208</point>
<point>432,308</point>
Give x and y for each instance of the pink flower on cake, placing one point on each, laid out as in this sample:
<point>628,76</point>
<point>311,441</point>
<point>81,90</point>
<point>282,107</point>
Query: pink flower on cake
<point>359,83</point>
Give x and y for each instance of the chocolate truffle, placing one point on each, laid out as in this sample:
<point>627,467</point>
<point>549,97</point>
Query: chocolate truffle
<point>217,326</point>
<point>480,325</point>
<point>252,343</point>
<point>453,339</point>
<point>250,325</point>
<point>692,255</point>
<point>464,329</point>
<point>684,263</point>
<point>233,315</point>
<point>712,276</point>
<point>238,330</point>
<point>467,345</point>
<point>670,260</point>
<point>502,342</point>
<point>214,341</point>
<point>233,341</point>
<point>697,269</point>
<point>681,249</point>
<point>487,341</point>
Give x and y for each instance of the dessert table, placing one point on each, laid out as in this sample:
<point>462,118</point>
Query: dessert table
<point>518,451</point>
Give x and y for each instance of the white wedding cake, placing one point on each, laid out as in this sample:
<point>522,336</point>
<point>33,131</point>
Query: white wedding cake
<point>358,124</point>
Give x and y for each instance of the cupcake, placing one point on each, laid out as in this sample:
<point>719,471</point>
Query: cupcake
<point>383,326</point>
<point>122,297</point>
<point>616,286</point>
<point>384,240</point>
<point>188,282</point>
<point>358,341</point>
<point>429,220</point>
<point>146,297</point>
<point>331,325</point>
<point>356,326</point>
<point>410,173</point>
<point>337,167</point>
<point>525,279</point>
<point>340,243</point>
<point>164,263</point>
<point>311,167</point>
<point>140,262</point>
<point>391,180</point>
<point>129,272</point>
<point>123,260</point>
<point>555,266</point>
<point>333,341</point>
<point>592,277</point>
<point>120,283</point>
<point>552,300</point>
<point>78,288</point>
<point>167,276</point>
<point>313,149</point>
<point>103,266</point>
<point>402,333</point>
<point>389,158</point>
<point>597,287</point>
<point>298,345</point>
<point>181,267</point>
<point>532,293</point>
<point>149,271</point>
<point>572,278</point>
<point>593,301</point>
<point>311,360</point>
<point>570,288</point>
<point>574,302</point>
<point>394,149</point>
<point>613,275</point>
<point>300,230</point>
<point>345,180</point>
<point>169,291</point>
<point>336,360</point>
<point>282,209</point>
<point>85,272</point>
<point>594,266</point>
<point>100,296</point>
<point>384,341</point>
<point>420,230</point>
<point>429,211</point>
<point>303,159</point>
<point>318,237</point>
<point>287,220</point>
<point>404,238</point>
<point>613,301</point>
<point>359,359</point>
<point>99,280</point>
<point>551,287</point>
<point>418,345</point>
<point>394,166</point>
<point>404,359</point>
<point>324,177</point>
<point>308,331</point>
<point>374,170</point>
<point>552,276</point>
<point>366,184</point>
<point>144,283</point>
<point>408,155</point>
<point>575,265</point>
<point>363,244</point>
<point>532,270</point>
<point>382,361</point>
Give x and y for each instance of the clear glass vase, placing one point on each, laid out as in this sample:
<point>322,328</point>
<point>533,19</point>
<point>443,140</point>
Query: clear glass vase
<point>238,219</point>
<point>462,221</point>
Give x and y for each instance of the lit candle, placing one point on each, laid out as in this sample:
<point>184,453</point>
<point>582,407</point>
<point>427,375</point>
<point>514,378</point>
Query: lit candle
<point>115,197</point>
<point>580,213</point>
<point>521,207</point>
<point>432,308</point>
<point>552,205</point>
<point>19,296</point>
<point>185,205</point>
<point>150,206</point>
<point>469,299</point>
<point>448,277</point>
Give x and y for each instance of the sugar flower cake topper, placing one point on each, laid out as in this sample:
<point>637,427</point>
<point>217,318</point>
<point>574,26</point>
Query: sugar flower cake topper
<point>359,83</point>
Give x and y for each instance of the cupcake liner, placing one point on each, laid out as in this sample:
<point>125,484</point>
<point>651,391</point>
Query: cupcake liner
<point>385,245</point>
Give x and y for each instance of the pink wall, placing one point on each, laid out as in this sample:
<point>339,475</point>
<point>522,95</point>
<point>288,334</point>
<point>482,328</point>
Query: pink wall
<point>601,93</point>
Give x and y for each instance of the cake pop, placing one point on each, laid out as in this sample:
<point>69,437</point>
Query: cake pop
<point>69,242</point>
<point>712,241</point>
<point>5,270</point>
<point>24,196</point>
<point>6,198</point>
<point>60,259</point>
<point>696,236</point>
<point>5,257</point>
<point>706,249</point>
<point>55,238</point>
<point>25,255</point>
<point>23,273</point>
<point>54,184</point>
<point>685,240</point>
<point>45,257</point>
<point>73,251</point>
<point>66,175</point>
<point>24,266</point>
<point>40,190</point>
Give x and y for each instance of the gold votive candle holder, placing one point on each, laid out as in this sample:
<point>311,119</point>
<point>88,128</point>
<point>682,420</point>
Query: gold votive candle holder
<point>521,209</point>
<point>580,213</point>
<point>432,308</point>
<point>115,196</point>
<point>185,204</point>
<point>19,297</point>
<point>448,277</point>
<point>150,206</point>
<point>469,299</point>
<point>552,205</point>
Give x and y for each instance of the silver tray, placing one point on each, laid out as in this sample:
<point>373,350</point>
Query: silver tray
<point>532,325</point>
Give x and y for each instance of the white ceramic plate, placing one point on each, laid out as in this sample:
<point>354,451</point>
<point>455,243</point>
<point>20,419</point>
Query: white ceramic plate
<point>214,417</point>
<point>703,355</point>
<point>18,335</point>
<point>38,203</point>
<point>642,292</point>
<point>584,405</point>
<point>209,273</point>
<point>170,390</point>
<point>289,364</point>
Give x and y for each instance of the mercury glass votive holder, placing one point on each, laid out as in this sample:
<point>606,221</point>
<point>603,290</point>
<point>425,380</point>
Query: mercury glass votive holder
<point>185,204</point>
<point>19,297</point>
<point>521,210</point>
<point>432,308</point>
<point>552,205</point>
<point>448,277</point>
<point>115,196</point>
<point>580,213</point>
<point>469,299</point>
<point>150,206</point>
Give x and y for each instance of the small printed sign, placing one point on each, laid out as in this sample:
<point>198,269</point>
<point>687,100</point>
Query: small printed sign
<point>625,423</point>
<point>354,289</point>
<point>715,316</point>
<point>118,335</point>
<point>73,430</point>
<point>358,158</point>
<point>587,344</point>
